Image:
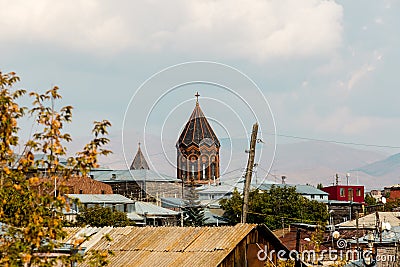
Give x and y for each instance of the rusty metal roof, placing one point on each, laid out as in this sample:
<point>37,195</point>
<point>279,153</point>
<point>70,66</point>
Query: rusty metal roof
<point>165,246</point>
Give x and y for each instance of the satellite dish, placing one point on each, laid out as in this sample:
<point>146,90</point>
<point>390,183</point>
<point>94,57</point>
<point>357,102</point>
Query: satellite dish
<point>383,200</point>
<point>336,235</point>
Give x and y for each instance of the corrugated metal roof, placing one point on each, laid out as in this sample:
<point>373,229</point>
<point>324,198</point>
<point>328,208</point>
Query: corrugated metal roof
<point>301,189</point>
<point>134,216</point>
<point>369,221</point>
<point>211,218</point>
<point>143,208</point>
<point>220,189</point>
<point>167,246</point>
<point>101,198</point>
<point>172,202</point>
<point>132,175</point>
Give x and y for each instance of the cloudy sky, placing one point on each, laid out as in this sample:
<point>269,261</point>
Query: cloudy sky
<point>329,69</point>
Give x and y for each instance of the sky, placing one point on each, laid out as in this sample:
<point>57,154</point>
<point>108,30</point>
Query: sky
<point>312,68</point>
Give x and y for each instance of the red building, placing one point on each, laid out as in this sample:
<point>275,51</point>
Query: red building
<point>393,192</point>
<point>354,193</point>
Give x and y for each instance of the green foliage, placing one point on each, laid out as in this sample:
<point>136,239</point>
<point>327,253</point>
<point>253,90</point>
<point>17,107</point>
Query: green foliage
<point>320,186</point>
<point>279,203</point>
<point>99,258</point>
<point>193,212</point>
<point>98,216</point>
<point>232,207</point>
<point>31,219</point>
<point>392,204</point>
<point>370,200</point>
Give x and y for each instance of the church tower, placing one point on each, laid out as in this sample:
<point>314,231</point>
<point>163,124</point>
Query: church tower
<point>139,162</point>
<point>198,150</point>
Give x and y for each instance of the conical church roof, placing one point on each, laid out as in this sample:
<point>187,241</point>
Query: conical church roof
<point>139,162</point>
<point>197,130</point>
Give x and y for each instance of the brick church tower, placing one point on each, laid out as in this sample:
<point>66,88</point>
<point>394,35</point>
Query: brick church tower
<point>198,150</point>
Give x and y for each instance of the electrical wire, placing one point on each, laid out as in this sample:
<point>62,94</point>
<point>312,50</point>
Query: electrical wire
<point>332,141</point>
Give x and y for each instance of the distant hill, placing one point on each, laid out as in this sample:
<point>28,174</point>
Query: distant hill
<point>382,167</point>
<point>317,162</point>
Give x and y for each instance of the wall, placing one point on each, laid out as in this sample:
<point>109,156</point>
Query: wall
<point>245,253</point>
<point>335,193</point>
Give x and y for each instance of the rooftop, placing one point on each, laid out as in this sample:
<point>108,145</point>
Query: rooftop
<point>139,162</point>
<point>197,130</point>
<point>101,198</point>
<point>164,246</point>
<point>132,175</point>
<point>146,208</point>
<point>301,189</point>
<point>369,221</point>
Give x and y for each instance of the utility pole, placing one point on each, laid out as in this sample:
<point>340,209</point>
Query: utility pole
<point>249,172</point>
<point>357,228</point>
<point>182,203</point>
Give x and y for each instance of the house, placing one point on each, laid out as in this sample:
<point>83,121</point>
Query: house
<point>140,212</point>
<point>352,193</point>
<point>114,201</point>
<point>217,192</point>
<point>393,192</point>
<point>211,193</point>
<point>376,194</point>
<point>342,211</point>
<point>211,218</point>
<point>370,221</point>
<point>239,245</point>
<point>308,191</point>
<point>155,215</point>
<point>139,182</point>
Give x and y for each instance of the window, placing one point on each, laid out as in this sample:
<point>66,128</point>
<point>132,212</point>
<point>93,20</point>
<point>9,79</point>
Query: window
<point>342,192</point>
<point>321,196</point>
<point>312,196</point>
<point>80,191</point>
<point>358,192</point>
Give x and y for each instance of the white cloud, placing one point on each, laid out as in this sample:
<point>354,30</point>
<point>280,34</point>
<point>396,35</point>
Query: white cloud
<point>252,29</point>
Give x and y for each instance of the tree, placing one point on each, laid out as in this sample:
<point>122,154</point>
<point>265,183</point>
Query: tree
<point>370,200</point>
<point>279,204</point>
<point>232,207</point>
<point>98,216</point>
<point>193,212</point>
<point>31,222</point>
<point>320,186</point>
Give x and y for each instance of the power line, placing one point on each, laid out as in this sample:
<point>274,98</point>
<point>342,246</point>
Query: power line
<point>332,141</point>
